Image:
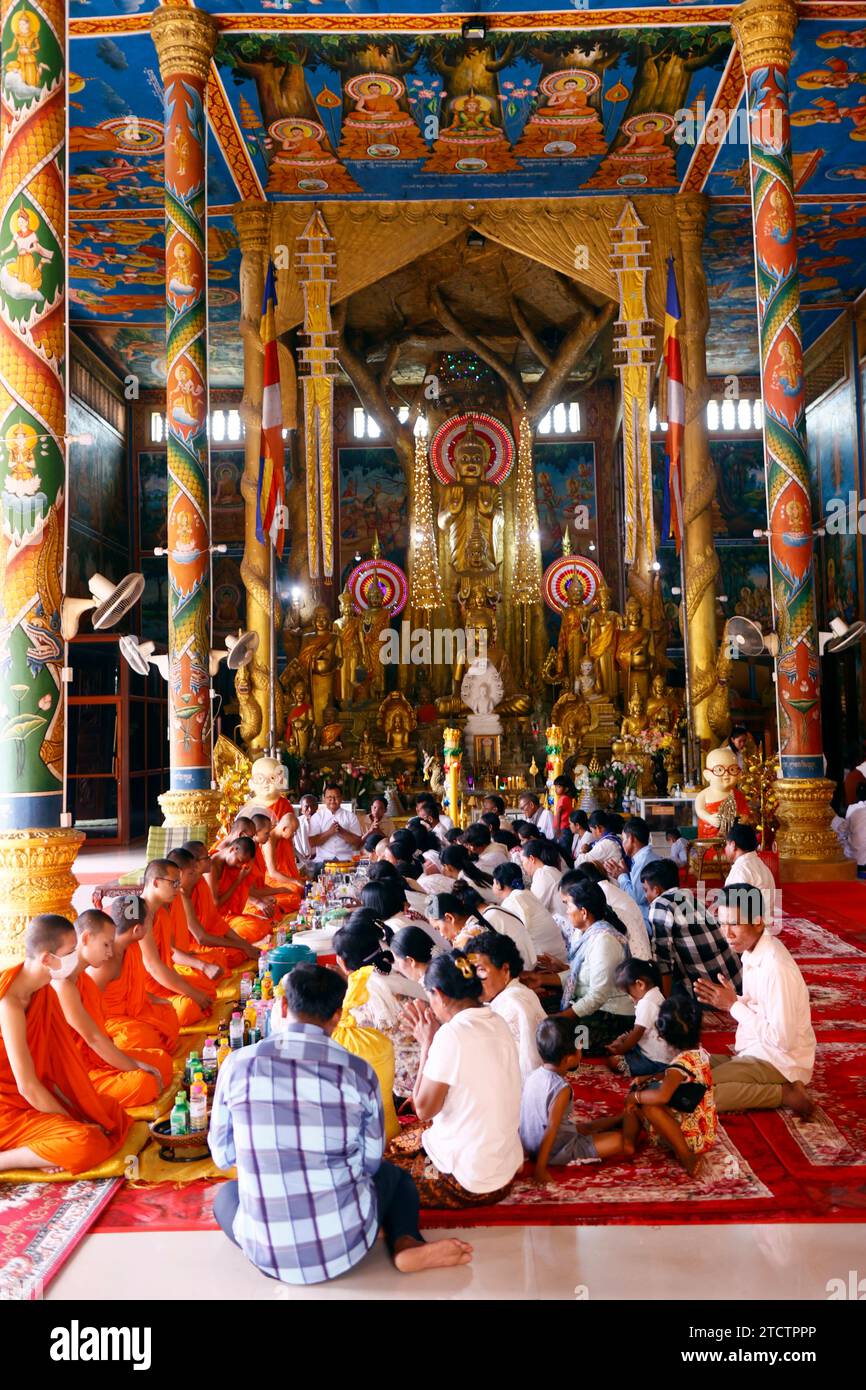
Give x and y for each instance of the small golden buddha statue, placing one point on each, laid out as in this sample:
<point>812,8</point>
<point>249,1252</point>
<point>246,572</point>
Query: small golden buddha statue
<point>397,719</point>
<point>634,651</point>
<point>661,708</point>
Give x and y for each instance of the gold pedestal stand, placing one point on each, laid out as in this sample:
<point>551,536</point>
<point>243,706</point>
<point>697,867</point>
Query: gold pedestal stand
<point>192,808</point>
<point>35,876</point>
<point>808,847</point>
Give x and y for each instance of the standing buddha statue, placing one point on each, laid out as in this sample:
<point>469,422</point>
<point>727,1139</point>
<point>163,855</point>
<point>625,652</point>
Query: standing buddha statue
<point>604,624</point>
<point>471,502</point>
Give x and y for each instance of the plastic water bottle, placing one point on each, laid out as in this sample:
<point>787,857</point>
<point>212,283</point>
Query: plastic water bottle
<point>193,1064</point>
<point>246,987</point>
<point>224,1051</point>
<point>263,963</point>
<point>209,1060</point>
<point>179,1121</point>
<point>236,1031</point>
<point>198,1108</point>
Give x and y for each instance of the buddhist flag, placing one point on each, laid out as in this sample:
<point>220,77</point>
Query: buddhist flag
<point>271,498</point>
<point>672,522</point>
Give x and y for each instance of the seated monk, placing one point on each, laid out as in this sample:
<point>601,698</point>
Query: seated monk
<point>190,930</point>
<point>51,1118</point>
<point>189,990</point>
<point>236,949</point>
<point>130,1079</point>
<point>133,1017</point>
<point>241,825</point>
<point>237,882</point>
<point>270,884</point>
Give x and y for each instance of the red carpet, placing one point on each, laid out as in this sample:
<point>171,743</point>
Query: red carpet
<point>40,1226</point>
<point>766,1166</point>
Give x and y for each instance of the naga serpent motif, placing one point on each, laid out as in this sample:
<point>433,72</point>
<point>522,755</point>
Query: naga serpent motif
<point>791,543</point>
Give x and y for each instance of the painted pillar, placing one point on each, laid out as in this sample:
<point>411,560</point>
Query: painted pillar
<point>764,30</point>
<point>36,853</point>
<point>185,40</point>
<point>252,220</point>
<point>701,563</point>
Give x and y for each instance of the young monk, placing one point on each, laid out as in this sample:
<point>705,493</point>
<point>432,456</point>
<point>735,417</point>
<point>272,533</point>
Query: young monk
<point>190,992</point>
<point>51,1118</point>
<point>235,949</point>
<point>190,930</point>
<point>133,1016</point>
<point>130,1079</point>
<point>237,879</point>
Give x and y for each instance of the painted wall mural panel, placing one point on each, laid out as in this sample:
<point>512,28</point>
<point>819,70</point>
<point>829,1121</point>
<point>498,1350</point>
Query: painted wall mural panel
<point>152,499</point>
<point>831,428</point>
<point>565,492</point>
<point>373,500</point>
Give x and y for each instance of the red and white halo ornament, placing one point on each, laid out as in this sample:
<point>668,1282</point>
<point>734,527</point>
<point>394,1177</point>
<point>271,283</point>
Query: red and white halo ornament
<point>568,570</point>
<point>487,427</point>
<point>391,580</point>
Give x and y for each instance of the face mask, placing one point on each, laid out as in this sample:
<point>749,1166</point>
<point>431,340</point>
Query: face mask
<point>67,966</point>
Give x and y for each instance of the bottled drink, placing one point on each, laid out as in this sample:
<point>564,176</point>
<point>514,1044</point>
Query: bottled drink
<point>236,1031</point>
<point>179,1121</point>
<point>209,1060</point>
<point>198,1108</point>
<point>193,1064</point>
<point>257,990</point>
<point>263,963</point>
<point>224,1050</point>
<point>246,987</point>
<point>255,1036</point>
<point>267,985</point>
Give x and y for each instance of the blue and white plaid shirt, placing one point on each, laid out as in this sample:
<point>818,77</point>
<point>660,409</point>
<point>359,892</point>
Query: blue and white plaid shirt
<point>302,1118</point>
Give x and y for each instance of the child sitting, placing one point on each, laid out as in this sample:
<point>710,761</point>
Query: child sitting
<point>548,1129</point>
<point>679,847</point>
<point>680,1108</point>
<point>640,1051</point>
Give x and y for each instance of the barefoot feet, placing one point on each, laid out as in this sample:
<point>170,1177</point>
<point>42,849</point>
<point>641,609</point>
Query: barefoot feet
<point>795,1095</point>
<point>434,1254</point>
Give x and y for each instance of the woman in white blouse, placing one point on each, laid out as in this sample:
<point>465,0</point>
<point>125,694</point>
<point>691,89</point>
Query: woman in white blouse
<point>469,1087</point>
<point>499,966</point>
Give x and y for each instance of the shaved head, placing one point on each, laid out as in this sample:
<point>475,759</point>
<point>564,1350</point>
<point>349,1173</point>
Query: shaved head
<point>93,921</point>
<point>157,868</point>
<point>47,932</point>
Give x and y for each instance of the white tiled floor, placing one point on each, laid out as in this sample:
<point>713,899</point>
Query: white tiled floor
<point>792,1262</point>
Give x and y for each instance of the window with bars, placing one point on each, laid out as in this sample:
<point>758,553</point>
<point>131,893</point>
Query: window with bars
<point>744,416</point>
<point>223,426</point>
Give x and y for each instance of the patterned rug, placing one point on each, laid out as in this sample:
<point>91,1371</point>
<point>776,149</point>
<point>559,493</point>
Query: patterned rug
<point>40,1226</point>
<point>766,1166</point>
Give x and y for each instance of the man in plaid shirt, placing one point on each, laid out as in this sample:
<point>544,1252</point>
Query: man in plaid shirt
<point>302,1119</point>
<point>688,943</point>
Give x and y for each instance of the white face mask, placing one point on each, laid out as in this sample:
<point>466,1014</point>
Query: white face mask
<point>66,967</point>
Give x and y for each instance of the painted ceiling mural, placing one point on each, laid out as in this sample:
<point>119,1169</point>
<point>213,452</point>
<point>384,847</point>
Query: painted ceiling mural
<point>422,115</point>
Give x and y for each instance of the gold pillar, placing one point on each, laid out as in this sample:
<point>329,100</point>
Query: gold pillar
<point>253,222</point>
<point>701,563</point>
<point>35,876</point>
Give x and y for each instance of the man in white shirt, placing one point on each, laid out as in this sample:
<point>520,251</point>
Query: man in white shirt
<point>539,922</point>
<point>427,809</point>
<point>741,848</point>
<point>486,852</point>
<point>332,832</point>
<point>775,1044</point>
<point>855,825</point>
<point>543,877</point>
<point>531,809</point>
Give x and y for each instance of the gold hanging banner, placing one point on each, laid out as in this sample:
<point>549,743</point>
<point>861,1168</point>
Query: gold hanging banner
<point>315,262</point>
<point>634,354</point>
<point>426,590</point>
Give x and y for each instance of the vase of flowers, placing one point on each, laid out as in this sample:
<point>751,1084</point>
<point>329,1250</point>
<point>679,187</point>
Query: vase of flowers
<point>612,781</point>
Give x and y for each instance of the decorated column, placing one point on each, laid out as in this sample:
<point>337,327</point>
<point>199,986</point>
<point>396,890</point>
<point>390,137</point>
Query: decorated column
<point>253,223</point>
<point>699,479</point>
<point>36,850</point>
<point>808,848</point>
<point>185,40</point>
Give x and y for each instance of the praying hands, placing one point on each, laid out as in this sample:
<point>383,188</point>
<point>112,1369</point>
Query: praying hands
<point>720,996</point>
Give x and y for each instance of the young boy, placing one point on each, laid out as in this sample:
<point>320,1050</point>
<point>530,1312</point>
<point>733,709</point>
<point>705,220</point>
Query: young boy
<point>679,850</point>
<point>640,1051</point>
<point>548,1129</point>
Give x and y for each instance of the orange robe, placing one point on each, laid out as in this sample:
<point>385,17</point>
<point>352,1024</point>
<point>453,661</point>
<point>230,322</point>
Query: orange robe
<point>96,1126</point>
<point>249,925</point>
<point>188,1012</point>
<point>128,1088</point>
<point>215,925</point>
<point>131,1019</point>
<point>284,860</point>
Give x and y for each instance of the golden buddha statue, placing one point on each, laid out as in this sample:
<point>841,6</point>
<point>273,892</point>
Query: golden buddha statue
<point>661,707</point>
<point>635,721</point>
<point>397,720</point>
<point>331,730</point>
<point>299,726</point>
<point>319,662</point>
<point>471,503</point>
<point>572,635</point>
<point>373,622</point>
<point>604,624</point>
<point>482,644</point>
<point>634,652</point>
<point>348,625</point>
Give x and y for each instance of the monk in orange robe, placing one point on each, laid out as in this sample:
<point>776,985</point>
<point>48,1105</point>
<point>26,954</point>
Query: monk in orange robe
<point>134,1017</point>
<point>236,880</point>
<point>189,990</point>
<point>236,950</point>
<point>51,1118</point>
<point>132,1079</point>
<point>191,931</point>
